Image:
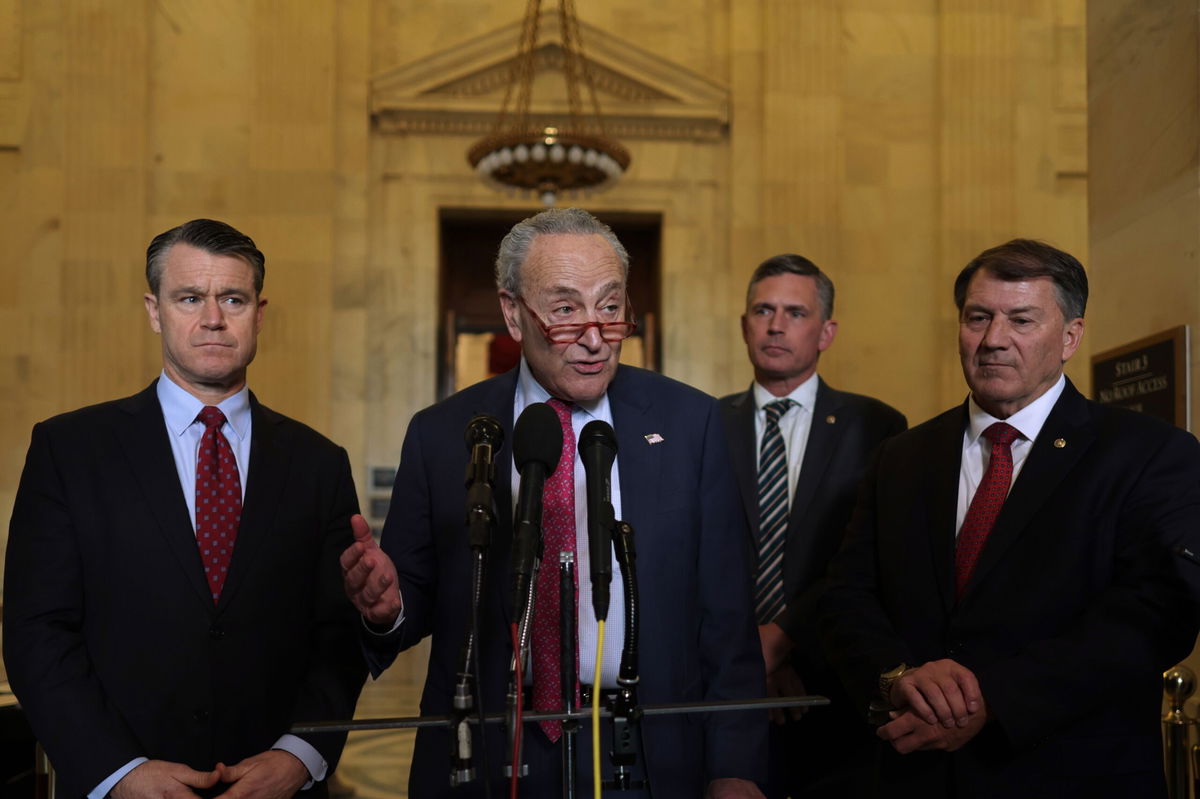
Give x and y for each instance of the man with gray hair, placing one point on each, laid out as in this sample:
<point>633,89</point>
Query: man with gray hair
<point>562,278</point>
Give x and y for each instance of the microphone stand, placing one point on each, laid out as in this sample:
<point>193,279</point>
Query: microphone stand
<point>480,522</point>
<point>520,654</point>
<point>626,714</point>
<point>566,654</point>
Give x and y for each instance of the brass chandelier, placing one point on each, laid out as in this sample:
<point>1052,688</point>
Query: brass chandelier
<point>548,157</point>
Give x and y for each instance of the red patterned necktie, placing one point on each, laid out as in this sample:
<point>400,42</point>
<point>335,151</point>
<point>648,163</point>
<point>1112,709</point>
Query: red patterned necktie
<point>558,535</point>
<point>986,504</point>
<point>218,500</point>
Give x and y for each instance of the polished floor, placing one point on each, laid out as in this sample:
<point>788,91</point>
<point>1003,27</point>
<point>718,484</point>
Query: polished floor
<point>375,764</point>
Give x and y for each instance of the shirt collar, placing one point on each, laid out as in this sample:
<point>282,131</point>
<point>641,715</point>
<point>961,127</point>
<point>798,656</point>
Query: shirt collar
<point>529,391</point>
<point>1028,421</point>
<point>804,395</point>
<point>180,408</point>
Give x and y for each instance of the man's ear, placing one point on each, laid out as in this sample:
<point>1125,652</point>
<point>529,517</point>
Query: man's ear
<point>512,314</point>
<point>152,311</point>
<point>1072,335</point>
<point>828,331</point>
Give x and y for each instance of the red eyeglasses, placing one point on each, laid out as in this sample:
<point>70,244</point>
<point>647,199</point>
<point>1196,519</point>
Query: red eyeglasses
<point>571,333</point>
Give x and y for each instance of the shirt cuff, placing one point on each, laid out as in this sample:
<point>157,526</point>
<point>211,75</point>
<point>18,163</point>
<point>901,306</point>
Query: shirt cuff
<point>377,629</point>
<point>303,751</point>
<point>104,788</point>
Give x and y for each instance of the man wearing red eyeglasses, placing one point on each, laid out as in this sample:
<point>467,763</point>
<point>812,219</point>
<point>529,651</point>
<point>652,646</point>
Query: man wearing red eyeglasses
<point>561,277</point>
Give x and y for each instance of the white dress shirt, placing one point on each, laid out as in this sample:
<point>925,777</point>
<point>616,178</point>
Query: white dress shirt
<point>793,426</point>
<point>528,392</point>
<point>977,450</point>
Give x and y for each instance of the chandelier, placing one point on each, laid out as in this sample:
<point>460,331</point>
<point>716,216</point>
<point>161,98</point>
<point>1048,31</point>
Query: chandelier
<point>548,157</point>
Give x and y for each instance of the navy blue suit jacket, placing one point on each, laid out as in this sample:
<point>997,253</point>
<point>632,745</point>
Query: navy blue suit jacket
<point>1075,607</point>
<point>111,639</point>
<point>698,639</point>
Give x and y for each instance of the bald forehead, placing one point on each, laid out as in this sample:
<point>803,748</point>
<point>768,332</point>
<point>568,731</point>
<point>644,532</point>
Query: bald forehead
<point>568,261</point>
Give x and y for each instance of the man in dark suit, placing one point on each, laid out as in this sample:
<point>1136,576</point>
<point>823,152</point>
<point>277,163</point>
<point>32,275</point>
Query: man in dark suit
<point>798,467</point>
<point>172,596</point>
<point>562,281</point>
<point>1008,593</point>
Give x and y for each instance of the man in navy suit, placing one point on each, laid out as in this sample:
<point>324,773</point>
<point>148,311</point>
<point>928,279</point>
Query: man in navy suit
<point>1014,580</point>
<point>827,438</point>
<point>562,279</point>
<point>147,665</point>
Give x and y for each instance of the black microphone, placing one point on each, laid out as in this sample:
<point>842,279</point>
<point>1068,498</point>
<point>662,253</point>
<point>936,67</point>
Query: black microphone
<point>484,436</point>
<point>537,446</point>
<point>598,450</point>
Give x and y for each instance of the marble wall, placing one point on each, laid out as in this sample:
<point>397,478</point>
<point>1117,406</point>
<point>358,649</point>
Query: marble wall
<point>889,140</point>
<point>1144,205</point>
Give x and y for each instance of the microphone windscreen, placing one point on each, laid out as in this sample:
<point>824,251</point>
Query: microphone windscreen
<point>598,433</point>
<point>484,429</point>
<point>537,438</point>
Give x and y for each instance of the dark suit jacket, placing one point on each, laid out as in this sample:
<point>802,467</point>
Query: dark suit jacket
<point>846,429</point>
<point>1073,611</point>
<point>697,633</point>
<point>111,639</point>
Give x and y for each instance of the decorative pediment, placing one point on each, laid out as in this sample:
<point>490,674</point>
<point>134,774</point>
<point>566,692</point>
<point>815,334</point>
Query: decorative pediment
<point>459,90</point>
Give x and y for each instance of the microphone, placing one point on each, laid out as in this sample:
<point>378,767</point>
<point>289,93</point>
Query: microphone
<point>537,446</point>
<point>484,436</point>
<point>598,450</point>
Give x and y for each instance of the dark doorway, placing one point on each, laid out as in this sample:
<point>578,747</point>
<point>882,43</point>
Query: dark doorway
<point>473,343</point>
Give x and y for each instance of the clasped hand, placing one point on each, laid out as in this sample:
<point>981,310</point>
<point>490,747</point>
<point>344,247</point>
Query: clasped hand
<point>273,774</point>
<point>938,706</point>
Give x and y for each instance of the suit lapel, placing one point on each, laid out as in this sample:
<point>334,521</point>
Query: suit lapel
<point>941,513</point>
<point>823,437</point>
<point>639,473</point>
<point>266,478</point>
<point>498,401</point>
<point>142,435</point>
<point>745,460</point>
<point>1044,470</point>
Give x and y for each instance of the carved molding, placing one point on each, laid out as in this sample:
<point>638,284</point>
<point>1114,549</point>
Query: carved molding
<point>458,90</point>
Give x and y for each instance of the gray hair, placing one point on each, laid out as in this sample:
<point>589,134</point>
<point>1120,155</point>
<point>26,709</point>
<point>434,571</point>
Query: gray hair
<point>792,264</point>
<point>514,249</point>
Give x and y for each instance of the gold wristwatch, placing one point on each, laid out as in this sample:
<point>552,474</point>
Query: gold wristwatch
<point>887,680</point>
<point>878,712</point>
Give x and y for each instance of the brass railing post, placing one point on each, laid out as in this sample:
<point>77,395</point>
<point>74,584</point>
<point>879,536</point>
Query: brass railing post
<point>1178,684</point>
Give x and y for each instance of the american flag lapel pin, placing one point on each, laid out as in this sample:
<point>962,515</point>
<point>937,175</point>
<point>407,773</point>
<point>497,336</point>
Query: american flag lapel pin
<point>653,438</point>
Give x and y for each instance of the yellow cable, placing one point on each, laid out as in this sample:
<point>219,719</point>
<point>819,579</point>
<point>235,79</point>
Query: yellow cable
<point>596,709</point>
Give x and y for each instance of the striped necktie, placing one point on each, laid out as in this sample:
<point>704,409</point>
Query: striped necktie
<point>772,514</point>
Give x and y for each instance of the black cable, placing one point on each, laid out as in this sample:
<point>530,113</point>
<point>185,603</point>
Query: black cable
<point>483,756</point>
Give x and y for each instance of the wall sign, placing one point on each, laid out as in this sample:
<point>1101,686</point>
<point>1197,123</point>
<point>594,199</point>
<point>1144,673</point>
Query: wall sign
<point>1149,375</point>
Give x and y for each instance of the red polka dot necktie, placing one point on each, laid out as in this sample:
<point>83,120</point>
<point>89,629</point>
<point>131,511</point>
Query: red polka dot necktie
<point>986,504</point>
<point>558,535</point>
<point>218,500</point>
